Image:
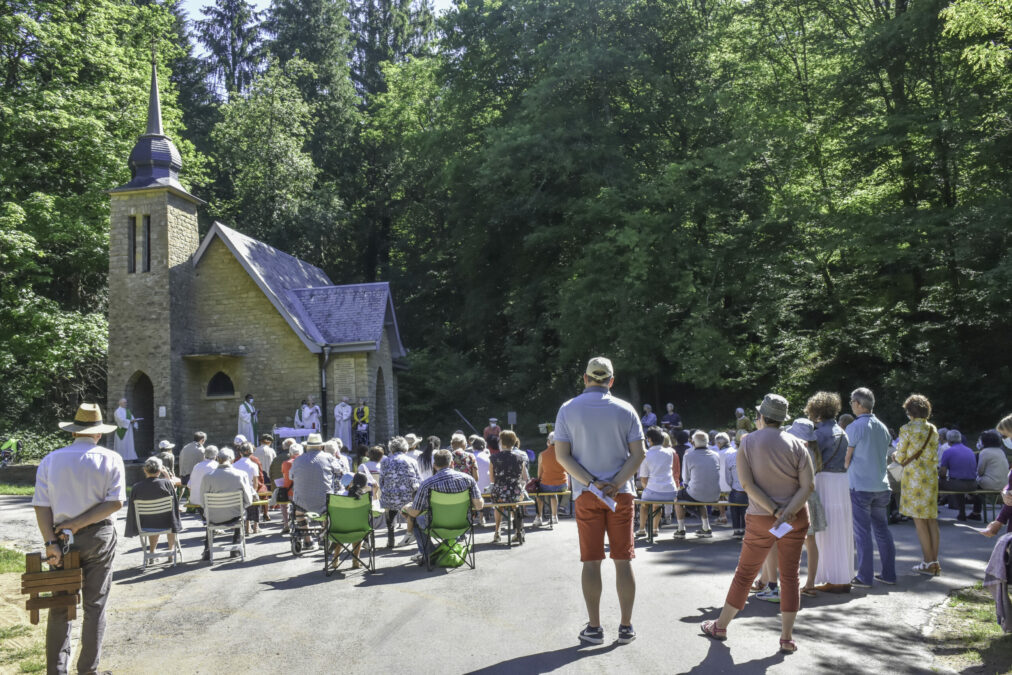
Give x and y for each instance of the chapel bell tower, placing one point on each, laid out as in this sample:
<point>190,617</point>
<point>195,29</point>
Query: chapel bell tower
<point>152,237</point>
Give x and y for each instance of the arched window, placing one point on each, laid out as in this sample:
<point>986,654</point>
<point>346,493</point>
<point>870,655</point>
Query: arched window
<point>220,385</point>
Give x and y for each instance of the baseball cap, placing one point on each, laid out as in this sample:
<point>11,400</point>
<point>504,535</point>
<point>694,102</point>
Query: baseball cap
<point>600,368</point>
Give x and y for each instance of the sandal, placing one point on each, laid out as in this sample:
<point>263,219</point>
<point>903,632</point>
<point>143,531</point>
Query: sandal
<point>788,646</point>
<point>809,591</point>
<point>710,629</point>
<point>924,568</point>
<point>757,586</point>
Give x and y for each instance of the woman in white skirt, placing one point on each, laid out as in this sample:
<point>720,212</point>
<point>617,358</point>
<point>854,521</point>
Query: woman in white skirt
<point>836,541</point>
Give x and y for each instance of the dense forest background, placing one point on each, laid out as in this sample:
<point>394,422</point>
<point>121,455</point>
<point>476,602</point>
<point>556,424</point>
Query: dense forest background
<point>724,196</point>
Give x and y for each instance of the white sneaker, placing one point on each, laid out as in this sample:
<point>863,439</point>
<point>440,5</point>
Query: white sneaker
<point>409,538</point>
<point>555,520</point>
<point>537,521</point>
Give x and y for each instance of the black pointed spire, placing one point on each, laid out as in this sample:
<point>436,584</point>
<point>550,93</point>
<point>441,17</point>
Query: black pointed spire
<point>154,161</point>
<point>154,105</point>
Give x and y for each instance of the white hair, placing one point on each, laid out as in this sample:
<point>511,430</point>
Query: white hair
<point>295,450</point>
<point>152,465</point>
<point>331,448</point>
<point>210,452</point>
<point>225,455</point>
<point>700,439</point>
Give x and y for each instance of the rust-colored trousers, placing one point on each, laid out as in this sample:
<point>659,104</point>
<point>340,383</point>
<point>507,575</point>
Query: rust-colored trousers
<point>758,541</point>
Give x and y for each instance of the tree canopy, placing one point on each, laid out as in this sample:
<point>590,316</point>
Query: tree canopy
<point>726,198</point>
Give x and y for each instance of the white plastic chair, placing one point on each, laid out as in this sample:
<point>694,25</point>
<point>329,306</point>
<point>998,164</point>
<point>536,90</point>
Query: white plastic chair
<point>155,507</point>
<point>220,501</point>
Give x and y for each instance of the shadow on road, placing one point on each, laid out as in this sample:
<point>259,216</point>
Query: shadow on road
<point>545,662</point>
<point>718,660</point>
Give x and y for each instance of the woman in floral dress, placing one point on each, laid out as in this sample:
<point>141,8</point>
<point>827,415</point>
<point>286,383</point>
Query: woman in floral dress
<point>508,472</point>
<point>917,450</point>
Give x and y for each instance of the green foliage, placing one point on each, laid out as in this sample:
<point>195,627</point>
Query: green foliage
<point>12,561</point>
<point>231,34</point>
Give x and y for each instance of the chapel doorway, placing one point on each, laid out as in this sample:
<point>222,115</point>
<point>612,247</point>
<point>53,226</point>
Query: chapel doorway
<point>382,430</point>
<point>141,402</point>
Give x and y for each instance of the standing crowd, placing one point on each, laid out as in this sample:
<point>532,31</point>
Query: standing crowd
<point>824,484</point>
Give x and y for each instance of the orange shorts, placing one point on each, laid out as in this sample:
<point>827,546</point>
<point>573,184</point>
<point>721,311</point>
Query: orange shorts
<point>593,519</point>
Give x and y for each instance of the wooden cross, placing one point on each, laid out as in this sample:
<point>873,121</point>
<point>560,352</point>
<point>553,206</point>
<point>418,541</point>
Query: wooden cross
<point>63,584</point>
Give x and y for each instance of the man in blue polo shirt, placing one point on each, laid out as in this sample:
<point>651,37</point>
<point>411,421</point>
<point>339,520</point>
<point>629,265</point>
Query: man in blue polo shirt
<point>868,447</point>
<point>599,442</point>
<point>957,472</point>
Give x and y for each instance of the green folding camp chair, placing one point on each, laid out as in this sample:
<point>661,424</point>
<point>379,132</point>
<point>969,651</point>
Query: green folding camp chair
<point>449,519</point>
<point>347,524</point>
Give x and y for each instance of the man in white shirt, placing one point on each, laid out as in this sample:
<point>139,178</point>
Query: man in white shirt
<point>78,488</point>
<point>191,455</point>
<point>200,470</point>
<point>246,465</point>
<point>656,476</point>
<point>123,441</point>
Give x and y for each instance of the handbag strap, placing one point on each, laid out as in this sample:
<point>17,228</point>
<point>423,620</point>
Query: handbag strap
<point>836,450</point>
<point>931,432</point>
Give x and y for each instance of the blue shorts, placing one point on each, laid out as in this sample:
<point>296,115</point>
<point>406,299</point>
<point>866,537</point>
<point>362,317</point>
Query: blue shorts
<point>553,488</point>
<point>655,496</point>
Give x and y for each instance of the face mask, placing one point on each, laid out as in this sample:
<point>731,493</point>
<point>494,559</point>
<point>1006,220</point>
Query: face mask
<point>251,400</point>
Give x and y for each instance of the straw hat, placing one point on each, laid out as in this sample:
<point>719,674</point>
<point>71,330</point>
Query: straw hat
<point>313,441</point>
<point>88,420</point>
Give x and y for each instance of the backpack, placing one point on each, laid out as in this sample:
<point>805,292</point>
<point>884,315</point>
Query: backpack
<point>450,554</point>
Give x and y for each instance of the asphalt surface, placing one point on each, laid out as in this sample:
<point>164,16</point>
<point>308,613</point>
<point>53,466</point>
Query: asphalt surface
<point>518,612</point>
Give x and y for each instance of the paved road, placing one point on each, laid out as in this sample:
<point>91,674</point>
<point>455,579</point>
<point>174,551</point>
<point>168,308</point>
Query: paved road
<point>518,612</point>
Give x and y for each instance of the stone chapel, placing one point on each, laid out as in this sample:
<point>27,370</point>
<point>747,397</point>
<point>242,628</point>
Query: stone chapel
<point>195,325</point>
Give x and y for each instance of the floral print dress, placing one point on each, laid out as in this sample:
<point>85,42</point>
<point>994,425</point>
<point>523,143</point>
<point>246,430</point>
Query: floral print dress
<point>508,467</point>
<point>399,479</point>
<point>919,487</point>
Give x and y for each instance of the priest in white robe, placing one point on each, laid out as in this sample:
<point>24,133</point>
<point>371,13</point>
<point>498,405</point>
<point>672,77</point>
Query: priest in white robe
<point>342,421</point>
<point>311,415</point>
<point>123,437</point>
<point>248,418</point>
<point>300,422</point>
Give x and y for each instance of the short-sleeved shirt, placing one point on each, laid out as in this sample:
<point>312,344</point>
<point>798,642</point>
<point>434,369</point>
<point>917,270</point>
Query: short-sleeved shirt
<point>599,428</point>
<point>872,445</point>
<point>446,481</point>
<point>960,461</point>
<point>731,469</point>
<point>314,475</point>
<point>672,419</point>
<point>73,479</point>
<point>702,474</point>
<point>191,455</point>
<point>832,441</point>
<point>777,460</point>
<point>658,468</point>
<point>483,460</point>
<point>266,455</point>
<point>549,470</point>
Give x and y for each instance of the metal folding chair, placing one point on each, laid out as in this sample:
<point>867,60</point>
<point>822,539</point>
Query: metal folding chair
<point>155,507</point>
<point>219,501</point>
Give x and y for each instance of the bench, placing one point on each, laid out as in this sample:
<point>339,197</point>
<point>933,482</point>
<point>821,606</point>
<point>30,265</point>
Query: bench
<point>560,495</point>
<point>512,510</point>
<point>993,504</point>
<point>656,507</point>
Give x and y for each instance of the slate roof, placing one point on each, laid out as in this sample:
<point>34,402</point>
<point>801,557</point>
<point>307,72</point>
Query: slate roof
<point>349,314</point>
<point>319,312</point>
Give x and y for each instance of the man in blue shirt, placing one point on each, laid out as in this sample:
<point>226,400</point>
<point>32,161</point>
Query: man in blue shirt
<point>599,442</point>
<point>868,447</point>
<point>957,472</point>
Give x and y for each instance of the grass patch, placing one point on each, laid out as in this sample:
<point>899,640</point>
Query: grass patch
<point>11,561</point>
<point>21,490</point>
<point>967,636</point>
